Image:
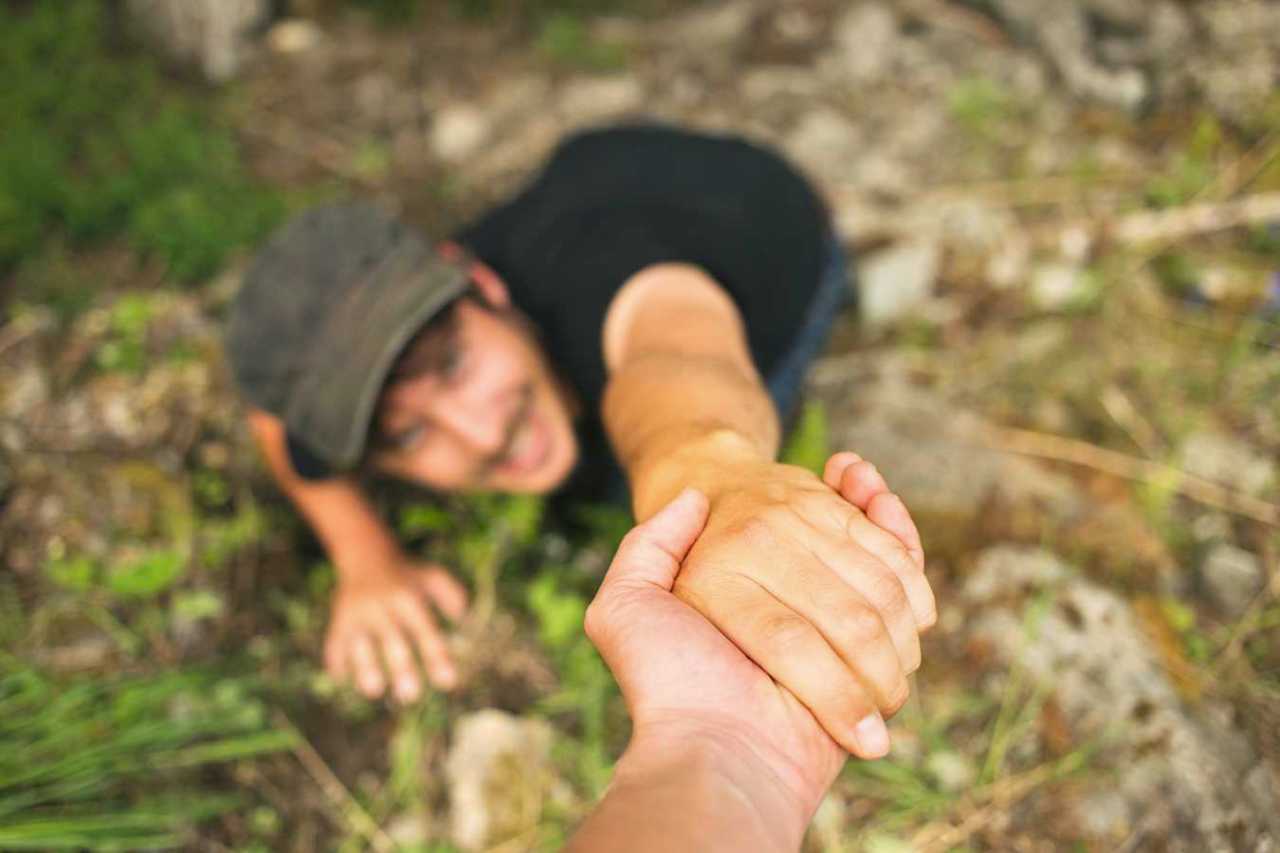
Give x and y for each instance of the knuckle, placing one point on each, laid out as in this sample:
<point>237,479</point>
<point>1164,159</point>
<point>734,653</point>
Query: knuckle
<point>896,697</point>
<point>785,629</point>
<point>860,625</point>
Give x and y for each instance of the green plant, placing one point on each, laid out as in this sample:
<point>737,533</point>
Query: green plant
<point>95,146</point>
<point>92,764</point>
<point>565,39</point>
<point>809,444</point>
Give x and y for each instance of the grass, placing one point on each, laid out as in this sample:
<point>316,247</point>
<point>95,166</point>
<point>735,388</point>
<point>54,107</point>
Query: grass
<point>97,146</point>
<point>95,763</point>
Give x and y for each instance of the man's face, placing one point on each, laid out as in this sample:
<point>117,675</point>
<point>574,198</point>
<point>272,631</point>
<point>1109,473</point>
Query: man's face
<point>473,405</point>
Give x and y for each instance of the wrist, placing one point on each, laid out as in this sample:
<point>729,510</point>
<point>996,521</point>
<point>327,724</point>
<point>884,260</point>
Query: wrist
<point>713,460</point>
<point>723,772</point>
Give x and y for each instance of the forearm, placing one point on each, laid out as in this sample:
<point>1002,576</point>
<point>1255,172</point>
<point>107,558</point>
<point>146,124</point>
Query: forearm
<point>678,421</point>
<point>694,795</point>
<point>343,519</point>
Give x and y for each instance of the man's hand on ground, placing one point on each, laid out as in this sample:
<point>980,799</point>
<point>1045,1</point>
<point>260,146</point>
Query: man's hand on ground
<point>381,626</point>
<point>826,592</point>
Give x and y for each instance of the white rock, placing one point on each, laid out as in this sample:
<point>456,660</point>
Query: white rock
<point>1227,460</point>
<point>827,143</point>
<point>865,37</point>
<point>498,765</point>
<point>588,99</point>
<point>894,282</point>
<point>1232,576</point>
<point>458,131</point>
<point>294,35</point>
<point>1056,285</point>
<point>952,771</point>
<point>1176,771</point>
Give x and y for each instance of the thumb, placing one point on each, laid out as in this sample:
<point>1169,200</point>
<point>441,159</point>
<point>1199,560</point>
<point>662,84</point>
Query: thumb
<point>652,552</point>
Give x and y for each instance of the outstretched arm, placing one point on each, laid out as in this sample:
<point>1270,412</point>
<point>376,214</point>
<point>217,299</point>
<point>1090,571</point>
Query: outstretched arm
<point>381,627</point>
<point>816,592</point>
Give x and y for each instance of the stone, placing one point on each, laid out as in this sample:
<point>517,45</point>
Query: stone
<point>951,771</point>
<point>590,99</point>
<point>933,452</point>
<point>458,131</point>
<point>1057,285</point>
<point>212,36</point>
<point>498,765</point>
<point>864,40</point>
<point>294,35</point>
<point>824,141</point>
<point>1225,459</point>
<point>1232,577</point>
<point>1174,772</point>
<point>895,282</point>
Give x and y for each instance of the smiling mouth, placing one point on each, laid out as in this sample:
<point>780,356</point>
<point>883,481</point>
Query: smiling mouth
<point>526,442</point>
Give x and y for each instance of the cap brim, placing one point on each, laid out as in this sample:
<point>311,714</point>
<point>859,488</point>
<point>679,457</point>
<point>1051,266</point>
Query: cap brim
<point>347,362</point>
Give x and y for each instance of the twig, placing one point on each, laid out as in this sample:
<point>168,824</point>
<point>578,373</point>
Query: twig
<point>979,810</point>
<point>1180,222</point>
<point>354,814</point>
<point>1076,452</point>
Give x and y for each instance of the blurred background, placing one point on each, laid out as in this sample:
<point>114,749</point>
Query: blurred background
<point>1066,215</point>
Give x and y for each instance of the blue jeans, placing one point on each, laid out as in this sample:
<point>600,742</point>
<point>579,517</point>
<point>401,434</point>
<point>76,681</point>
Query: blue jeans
<point>834,292</point>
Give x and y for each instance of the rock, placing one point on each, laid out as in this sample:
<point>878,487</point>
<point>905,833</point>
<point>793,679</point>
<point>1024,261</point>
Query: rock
<point>951,771</point>
<point>1057,285</point>
<point>1224,459</point>
<point>458,131</point>
<point>1167,773</point>
<point>894,282</point>
<point>1061,31</point>
<point>213,36</point>
<point>932,451</point>
<point>1232,577</point>
<point>591,99</point>
<point>864,40</point>
<point>294,35</point>
<point>498,770</point>
<point>825,142</point>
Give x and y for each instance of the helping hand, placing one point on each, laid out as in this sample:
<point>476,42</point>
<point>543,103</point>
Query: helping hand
<point>824,590</point>
<point>380,616</point>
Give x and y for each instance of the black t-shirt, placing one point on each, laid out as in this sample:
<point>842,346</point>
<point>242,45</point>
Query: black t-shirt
<point>611,202</point>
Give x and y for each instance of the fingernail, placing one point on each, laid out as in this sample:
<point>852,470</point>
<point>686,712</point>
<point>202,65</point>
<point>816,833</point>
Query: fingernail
<point>447,678</point>
<point>872,736</point>
<point>407,689</point>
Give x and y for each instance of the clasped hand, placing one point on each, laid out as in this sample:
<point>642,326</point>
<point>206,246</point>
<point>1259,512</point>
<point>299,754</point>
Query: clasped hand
<point>821,583</point>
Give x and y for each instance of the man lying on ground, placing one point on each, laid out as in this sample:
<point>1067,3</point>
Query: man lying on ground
<point>646,307</point>
<point>721,757</point>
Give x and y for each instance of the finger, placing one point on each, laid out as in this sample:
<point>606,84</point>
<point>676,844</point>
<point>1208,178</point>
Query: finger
<point>835,466</point>
<point>652,552</point>
<point>880,587</point>
<point>401,666</point>
<point>890,551</point>
<point>430,644</point>
<point>890,513</point>
<point>364,663</point>
<point>799,657</point>
<point>445,591</point>
<point>335,661</point>
<point>860,483</point>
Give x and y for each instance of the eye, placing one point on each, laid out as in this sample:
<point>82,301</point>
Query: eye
<point>452,362</point>
<point>407,439</point>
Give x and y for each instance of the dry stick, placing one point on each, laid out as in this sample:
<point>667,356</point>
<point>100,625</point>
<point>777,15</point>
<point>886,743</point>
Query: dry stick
<point>353,813</point>
<point>1059,448</point>
<point>1175,224</point>
<point>940,835</point>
